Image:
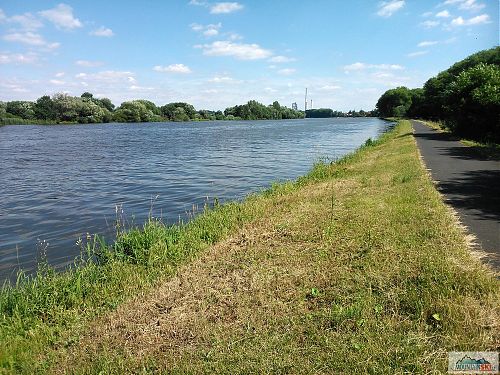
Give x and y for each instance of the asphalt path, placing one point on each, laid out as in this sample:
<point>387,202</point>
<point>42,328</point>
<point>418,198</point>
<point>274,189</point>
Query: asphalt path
<point>470,183</point>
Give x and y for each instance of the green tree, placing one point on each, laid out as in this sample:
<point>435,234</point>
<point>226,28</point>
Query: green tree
<point>417,102</point>
<point>320,113</point>
<point>67,107</point>
<point>3,109</point>
<point>395,102</point>
<point>106,103</point>
<point>90,112</point>
<point>180,114</point>
<point>22,109</point>
<point>473,102</point>
<point>134,111</point>
<point>169,111</point>
<point>45,109</point>
<point>87,96</point>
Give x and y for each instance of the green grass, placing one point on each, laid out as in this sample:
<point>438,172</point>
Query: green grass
<point>357,267</point>
<point>35,312</point>
<point>20,121</point>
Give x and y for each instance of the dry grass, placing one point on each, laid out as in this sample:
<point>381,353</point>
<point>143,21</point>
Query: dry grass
<point>365,271</point>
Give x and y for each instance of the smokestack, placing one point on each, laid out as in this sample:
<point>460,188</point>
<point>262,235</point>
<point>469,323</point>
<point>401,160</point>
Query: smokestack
<point>305,102</point>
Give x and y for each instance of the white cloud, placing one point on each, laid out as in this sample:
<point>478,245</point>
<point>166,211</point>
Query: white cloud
<point>211,32</point>
<point>30,38</point>
<point>239,51</point>
<point>286,71</point>
<point>459,21</point>
<point>26,21</point>
<point>13,86</point>
<point>197,2</point>
<point>223,79</point>
<point>429,24</point>
<point>427,14</point>
<point>330,88</point>
<point>18,58</point>
<point>173,68</point>
<point>471,5</point>
<point>62,17</point>
<point>362,66</point>
<point>224,8</point>
<point>26,38</point>
<point>208,30</point>
<point>382,75</point>
<point>196,27</point>
<point>234,36</point>
<point>388,8</point>
<point>418,53</point>
<point>57,82</point>
<point>281,59</point>
<point>88,64</point>
<point>59,74</point>
<point>270,90</point>
<point>210,91</point>
<point>443,14</point>
<point>427,43</point>
<point>355,66</point>
<point>478,20</point>
<point>108,76</point>
<point>140,88</point>
<point>103,31</point>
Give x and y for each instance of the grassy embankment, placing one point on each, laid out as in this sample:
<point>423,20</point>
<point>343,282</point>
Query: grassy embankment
<point>20,121</point>
<point>357,267</point>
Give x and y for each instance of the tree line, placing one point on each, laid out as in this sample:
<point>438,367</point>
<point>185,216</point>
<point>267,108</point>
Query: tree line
<point>327,113</point>
<point>465,98</point>
<point>63,108</point>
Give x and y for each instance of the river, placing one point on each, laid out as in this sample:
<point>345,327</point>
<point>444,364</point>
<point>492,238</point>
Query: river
<point>60,182</point>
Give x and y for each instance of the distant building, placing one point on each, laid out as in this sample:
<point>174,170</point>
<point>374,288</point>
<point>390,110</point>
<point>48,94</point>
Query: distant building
<point>294,106</point>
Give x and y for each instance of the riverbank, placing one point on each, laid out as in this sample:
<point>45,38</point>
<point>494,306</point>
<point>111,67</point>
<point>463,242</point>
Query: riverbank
<point>356,267</point>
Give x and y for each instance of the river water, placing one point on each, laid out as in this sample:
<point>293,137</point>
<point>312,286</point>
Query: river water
<point>59,182</point>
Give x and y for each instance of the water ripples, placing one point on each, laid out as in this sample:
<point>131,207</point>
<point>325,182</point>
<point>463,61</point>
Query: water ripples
<point>60,182</point>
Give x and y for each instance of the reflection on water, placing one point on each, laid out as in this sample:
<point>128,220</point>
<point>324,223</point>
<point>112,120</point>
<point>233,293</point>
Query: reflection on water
<point>60,182</point>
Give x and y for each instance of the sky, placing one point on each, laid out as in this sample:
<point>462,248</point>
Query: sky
<point>219,54</point>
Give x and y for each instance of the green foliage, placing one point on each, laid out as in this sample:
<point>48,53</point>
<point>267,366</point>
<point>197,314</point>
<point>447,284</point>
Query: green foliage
<point>106,103</point>
<point>22,109</point>
<point>473,102</point>
<point>327,113</point>
<point>178,111</point>
<point>254,110</point>
<point>395,102</point>
<point>465,97</point>
<point>417,102</point>
<point>45,108</point>
<point>133,111</point>
<point>88,109</point>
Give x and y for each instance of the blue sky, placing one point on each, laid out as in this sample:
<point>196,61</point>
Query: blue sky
<point>218,54</point>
